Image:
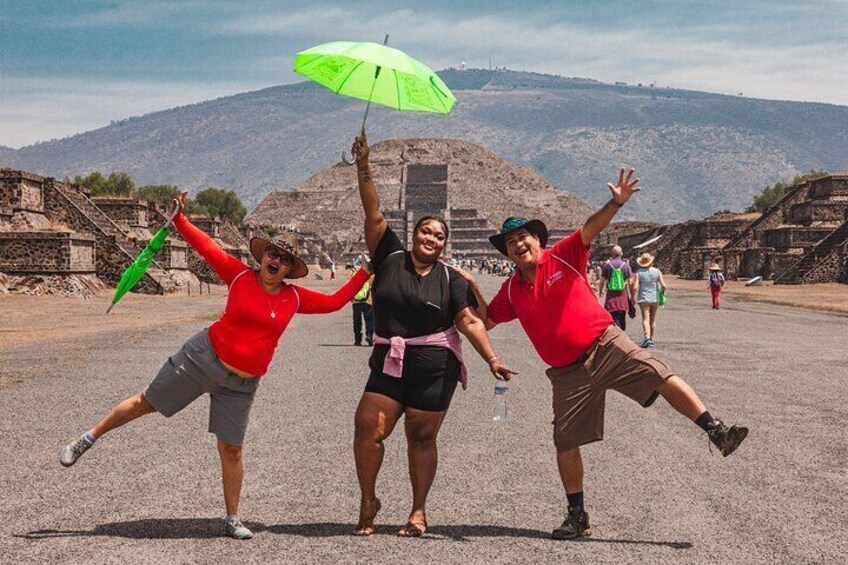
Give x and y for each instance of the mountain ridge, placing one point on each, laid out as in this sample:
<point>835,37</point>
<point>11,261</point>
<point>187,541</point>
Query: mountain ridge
<point>695,152</point>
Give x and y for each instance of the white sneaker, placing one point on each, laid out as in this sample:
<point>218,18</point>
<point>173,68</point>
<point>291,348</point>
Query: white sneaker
<point>73,451</point>
<point>235,529</point>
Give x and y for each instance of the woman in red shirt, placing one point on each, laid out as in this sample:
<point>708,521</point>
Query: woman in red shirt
<point>227,359</point>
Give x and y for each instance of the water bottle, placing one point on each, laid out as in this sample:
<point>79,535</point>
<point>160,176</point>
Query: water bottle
<point>501,391</point>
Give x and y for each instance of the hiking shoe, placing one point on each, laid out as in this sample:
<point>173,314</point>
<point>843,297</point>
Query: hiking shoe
<point>575,525</point>
<point>73,451</point>
<point>650,343</point>
<point>724,438</point>
<point>645,343</point>
<point>235,529</point>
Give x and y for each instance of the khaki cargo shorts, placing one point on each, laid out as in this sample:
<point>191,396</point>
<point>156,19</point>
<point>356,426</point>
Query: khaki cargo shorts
<point>195,370</point>
<point>579,390</point>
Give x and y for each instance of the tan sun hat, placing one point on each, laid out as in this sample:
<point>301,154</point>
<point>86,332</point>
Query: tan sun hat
<point>714,267</point>
<point>645,260</point>
<point>298,268</point>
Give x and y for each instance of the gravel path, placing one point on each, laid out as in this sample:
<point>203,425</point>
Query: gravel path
<point>150,491</point>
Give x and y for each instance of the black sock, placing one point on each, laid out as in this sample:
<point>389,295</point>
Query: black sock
<point>704,421</point>
<point>575,499</point>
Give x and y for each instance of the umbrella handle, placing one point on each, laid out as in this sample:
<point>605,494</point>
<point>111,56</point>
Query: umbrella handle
<point>352,161</point>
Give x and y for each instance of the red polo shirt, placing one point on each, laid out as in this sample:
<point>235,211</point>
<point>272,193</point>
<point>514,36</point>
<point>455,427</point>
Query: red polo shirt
<point>560,312</point>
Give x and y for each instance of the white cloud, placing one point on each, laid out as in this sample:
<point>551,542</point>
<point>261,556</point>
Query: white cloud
<point>743,57</point>
<point>40,109</point>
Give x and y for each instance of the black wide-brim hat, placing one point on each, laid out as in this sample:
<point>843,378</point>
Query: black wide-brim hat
<point>535,227</point>
<point>298,268</point>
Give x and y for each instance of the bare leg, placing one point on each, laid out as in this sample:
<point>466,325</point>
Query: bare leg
<point>654,312</point>
<point>127,411</point>
<point>570,464</point>
<point>681,397</point>
<point>376,417</point>
<point>645,310</point>
<point>232,473</point>
<point>422,427</point>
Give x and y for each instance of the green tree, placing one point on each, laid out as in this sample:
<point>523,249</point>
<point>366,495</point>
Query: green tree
<point>160,193</point>
<point>220,202</point>
<point>116,184</point>
<point>771,195</point>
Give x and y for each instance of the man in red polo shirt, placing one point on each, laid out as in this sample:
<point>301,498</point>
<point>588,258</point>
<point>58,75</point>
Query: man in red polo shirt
<point>552,299</point>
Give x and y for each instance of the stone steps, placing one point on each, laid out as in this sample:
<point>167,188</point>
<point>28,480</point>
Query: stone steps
<point>835,242</point>
<point>158,280</point>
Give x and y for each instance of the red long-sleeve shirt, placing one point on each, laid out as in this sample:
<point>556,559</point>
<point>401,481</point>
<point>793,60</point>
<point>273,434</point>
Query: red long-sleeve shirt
<point>246,335</point>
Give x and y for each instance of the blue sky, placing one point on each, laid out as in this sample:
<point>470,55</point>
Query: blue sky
<point>73,66</point>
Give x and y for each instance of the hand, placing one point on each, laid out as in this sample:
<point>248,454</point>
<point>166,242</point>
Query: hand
<point>501,371</point>
<point>179,202</point>
<point>625,188</point>
<point>366,264</point>
<point>466,275</point>
<point>360,150</point>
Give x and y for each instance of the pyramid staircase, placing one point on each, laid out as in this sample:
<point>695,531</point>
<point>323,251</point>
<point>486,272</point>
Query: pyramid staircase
<point>109,236</point>
<point>826,262</point>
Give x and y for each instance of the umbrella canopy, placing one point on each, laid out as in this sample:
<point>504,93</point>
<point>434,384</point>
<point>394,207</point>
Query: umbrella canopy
<point>138,267</point>
<point>377,73</point>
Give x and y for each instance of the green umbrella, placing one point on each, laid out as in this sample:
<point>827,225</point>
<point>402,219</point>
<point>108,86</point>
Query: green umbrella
<point>354,69</point>
<point>138,267</point>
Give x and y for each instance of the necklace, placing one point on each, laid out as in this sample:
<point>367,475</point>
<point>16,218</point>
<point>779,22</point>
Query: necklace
<point>273,309</point>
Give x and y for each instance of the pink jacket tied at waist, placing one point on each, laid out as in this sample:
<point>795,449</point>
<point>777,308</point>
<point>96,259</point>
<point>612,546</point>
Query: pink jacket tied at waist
<point>393,364</point>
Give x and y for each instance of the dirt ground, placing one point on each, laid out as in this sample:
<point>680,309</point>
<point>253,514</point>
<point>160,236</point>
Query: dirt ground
<point>830,297</point>
<point>27,319</point>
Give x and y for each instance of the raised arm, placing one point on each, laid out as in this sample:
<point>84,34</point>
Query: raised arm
<point>621,193</point>
<point>224,264</point>
<point>311,302</point>
<point>375,223</point>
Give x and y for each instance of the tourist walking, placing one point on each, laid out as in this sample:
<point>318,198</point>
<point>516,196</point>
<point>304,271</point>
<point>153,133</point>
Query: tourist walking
<point>716,283</point>
<point>646,286</point>
<point>588,355</point>
<point>362,311</point>
<point>615,287</point>
<point>420,308</point>
<point>227,359</point>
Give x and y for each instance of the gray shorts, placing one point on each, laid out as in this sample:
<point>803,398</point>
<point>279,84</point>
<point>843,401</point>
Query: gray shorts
<point>195,370</point>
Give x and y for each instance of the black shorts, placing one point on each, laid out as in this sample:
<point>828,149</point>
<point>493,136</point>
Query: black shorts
<point>423,385</point>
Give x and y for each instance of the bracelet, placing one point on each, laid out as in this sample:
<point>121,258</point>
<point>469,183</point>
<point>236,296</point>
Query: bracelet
<point>495,358</point>
<point>616,204</point>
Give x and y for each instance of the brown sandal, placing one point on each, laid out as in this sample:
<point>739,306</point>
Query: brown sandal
<point>411,530</point>
<point>365,527</point>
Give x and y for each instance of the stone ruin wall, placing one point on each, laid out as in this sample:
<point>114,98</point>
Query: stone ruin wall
<point>110,260</point>
<point>52,252</point>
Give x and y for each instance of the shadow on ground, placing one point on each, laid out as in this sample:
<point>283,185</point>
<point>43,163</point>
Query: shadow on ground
<point>184,528</point>
<point>454,532</point>
<point>151,528</point>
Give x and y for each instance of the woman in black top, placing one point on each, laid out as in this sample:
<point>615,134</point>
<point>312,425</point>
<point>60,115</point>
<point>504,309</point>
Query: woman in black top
<point>414,295</point>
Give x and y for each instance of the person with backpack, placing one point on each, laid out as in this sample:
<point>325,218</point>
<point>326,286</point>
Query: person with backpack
<point>362,311</point>
<point>716,283</point>
<point>615,280</point>
<point>648,284</point>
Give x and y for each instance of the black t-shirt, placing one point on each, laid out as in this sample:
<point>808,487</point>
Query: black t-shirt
<point>407,304</point>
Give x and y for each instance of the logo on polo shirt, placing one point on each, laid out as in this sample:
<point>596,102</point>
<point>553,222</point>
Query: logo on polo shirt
<point>555,277</point>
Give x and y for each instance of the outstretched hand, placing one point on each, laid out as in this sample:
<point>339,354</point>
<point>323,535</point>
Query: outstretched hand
<point>360,149</point>
<point>179,202</point>
<point>501,371</point>
<point>625,188</point>
<point>366,263</point>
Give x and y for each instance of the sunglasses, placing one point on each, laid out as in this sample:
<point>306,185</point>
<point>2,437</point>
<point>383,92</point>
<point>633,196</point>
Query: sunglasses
<point>274,253</point>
